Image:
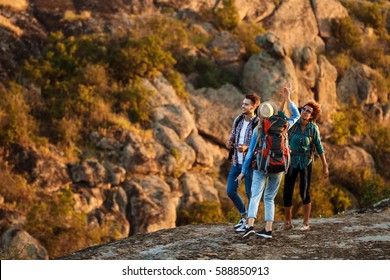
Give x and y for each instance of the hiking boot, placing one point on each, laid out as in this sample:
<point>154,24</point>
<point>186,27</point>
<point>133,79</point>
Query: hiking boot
<point>242,228</point>
<point>265,234</point>
<point>240,223</point>
<point>248,232</point>
<point>304,228</point>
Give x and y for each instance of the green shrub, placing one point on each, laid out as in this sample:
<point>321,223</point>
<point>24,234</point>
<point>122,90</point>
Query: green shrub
<point>346,33</point>
<point>16,124</point>
<point>247,32</point>
<point>380,149</point>
<point>227,17</point>
<point>176,81</point>
<point>339,199</point>
<point>174,34</point>
<point>373,191</point>
<point>199,213</point>
<point>59,227</point>
<point>134,99</point>
<point>140,57</point>
<point>347,122</point>
<point>15,190</point>
<point>210,75</point>
<point>367,12</point>
<point>341,62</point>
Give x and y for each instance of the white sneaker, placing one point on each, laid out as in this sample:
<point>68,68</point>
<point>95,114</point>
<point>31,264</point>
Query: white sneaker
<point>304,228</point>
<point>239,224</point>
<point>242,228</point>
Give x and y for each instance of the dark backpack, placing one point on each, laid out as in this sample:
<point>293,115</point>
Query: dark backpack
<point>273,152</point>
<point>240,117</point>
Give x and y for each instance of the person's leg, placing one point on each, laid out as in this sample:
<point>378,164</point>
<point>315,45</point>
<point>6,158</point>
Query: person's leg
<point>270,193</point>
<point>258,184</point>
<point>248,183</point>
<point>269,203</point>
<point>231,190</point>
<point>288,191</point>
<point>305,194</point>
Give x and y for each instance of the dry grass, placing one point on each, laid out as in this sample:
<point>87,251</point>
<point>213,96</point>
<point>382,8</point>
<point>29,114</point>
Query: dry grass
<point>18,5</point>
<point>6,23</point>
<point>72,16</point>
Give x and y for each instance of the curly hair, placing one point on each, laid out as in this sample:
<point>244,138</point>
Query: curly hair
<point>316,109</point>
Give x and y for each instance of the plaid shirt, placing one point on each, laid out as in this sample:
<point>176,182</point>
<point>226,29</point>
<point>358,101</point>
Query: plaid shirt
<point>235,134</point>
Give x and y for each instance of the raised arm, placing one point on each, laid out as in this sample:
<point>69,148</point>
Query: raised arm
<point>287,91</point>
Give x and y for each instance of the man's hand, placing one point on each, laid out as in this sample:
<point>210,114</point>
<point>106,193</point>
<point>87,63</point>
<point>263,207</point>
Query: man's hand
<point>242,148</point>
<point>229,144</point>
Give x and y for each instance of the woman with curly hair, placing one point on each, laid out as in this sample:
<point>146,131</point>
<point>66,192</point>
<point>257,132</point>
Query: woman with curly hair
<point>304,139</point>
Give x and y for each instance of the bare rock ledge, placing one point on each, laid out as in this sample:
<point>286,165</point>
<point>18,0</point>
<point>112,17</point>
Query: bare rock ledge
<point>354,236</point>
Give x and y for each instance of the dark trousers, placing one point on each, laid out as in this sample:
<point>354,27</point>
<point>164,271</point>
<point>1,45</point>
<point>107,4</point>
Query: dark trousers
<point>304,185</point>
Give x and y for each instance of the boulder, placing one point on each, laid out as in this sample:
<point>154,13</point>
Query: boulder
<point>137,156</point>
<point>151,205</point>
<point>46,172</point>
<point>204,151</point>
<point>359,82</point>
<point>87,199</point>
<point>90,171</point>
<point>181,152</point>
<point>227,52</point>
<point>197,187</point>
<point>325,12</point>
<point>176,117</point>
<point>116,200</point>
<point>17,244</point>
<point>215,111</point>
<point>115,174</point>
<point>296,15</point>
<point>326,88</point>
<point>267,71</point>
<point>112,223</point>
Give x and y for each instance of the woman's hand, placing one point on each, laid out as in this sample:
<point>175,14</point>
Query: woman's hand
<point>287,91</point>
<point>325,171</point>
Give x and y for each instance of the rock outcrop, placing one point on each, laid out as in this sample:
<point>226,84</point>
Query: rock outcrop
<point>147,177</point>
<point>361,235</point>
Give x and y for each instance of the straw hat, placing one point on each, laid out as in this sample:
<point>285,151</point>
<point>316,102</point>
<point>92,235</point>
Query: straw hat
<point>266,110</point>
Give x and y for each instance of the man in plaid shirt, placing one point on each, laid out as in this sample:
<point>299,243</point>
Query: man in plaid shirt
<point>239,139</point>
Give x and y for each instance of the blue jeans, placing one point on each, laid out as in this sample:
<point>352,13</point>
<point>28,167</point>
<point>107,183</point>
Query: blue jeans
<point>271,187</point>
<point>232,187</point>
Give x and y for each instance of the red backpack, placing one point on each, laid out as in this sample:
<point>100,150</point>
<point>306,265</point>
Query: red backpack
<point>273,154</point>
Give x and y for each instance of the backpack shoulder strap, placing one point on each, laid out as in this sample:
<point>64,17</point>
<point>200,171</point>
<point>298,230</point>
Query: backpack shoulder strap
<point>255,123</point>
<point>293,130</point>
<point>238,119</point>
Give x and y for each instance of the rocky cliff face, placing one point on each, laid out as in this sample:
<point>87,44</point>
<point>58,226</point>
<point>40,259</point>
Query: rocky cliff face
<point>355,236</point>
<point>148,177</point>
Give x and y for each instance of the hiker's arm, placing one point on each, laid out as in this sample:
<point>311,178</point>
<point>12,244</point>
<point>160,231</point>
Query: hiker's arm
<point>286,97</point>
<point>325,170</point>
<point>320,151</point>
<point>232,136</point>
<point>295,114</point>
<point>317,140</point>
<point>249,155</point>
